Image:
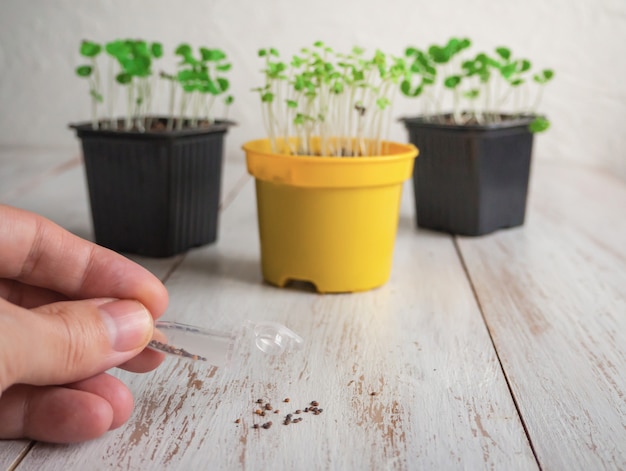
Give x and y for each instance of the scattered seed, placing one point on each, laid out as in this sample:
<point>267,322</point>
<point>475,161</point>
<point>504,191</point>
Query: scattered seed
<point>276,411</point>
<point>315,403</point>
<point>298,411</point>
<point>373,393</point>
<point>268,406</point>
<point>267,425</point>
<point>306,409</point>
<point>286,399</point>
<point>255,426</point>
<point>259,401</point>
<point>258,411</point>
<point>238,421</point>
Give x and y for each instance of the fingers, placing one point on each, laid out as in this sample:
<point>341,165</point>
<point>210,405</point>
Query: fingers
<point>57,414</point>
<point>40,253</point>
<point>67,341</point>
<point>27,296</point>
<point>146,361</point>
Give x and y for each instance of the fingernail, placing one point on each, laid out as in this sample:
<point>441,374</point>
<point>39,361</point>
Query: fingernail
<point>129,323</point>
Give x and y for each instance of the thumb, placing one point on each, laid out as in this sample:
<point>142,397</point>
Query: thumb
<point>71,340</point>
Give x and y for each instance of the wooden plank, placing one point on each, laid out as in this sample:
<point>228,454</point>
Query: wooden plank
<point>11,452</point>
<point>419,343</point>
<point>24,168</point>
<point>554,297</point>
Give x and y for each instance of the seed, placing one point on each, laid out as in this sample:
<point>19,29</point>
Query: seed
<point>276,411</point>
<point>306,409</point>
<point>373,393</point>
<point>267,425</point>
<point>259,401</point>
<point>268,406</point>
<point>258,411</point>
<point>298,411</point>
<point>315,403</point>
<point>255,426</point>
<point>237,421</point>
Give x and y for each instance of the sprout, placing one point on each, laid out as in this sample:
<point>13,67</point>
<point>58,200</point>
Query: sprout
<point>482,86</point>
<point>342,100</point>
<point>200,80</point>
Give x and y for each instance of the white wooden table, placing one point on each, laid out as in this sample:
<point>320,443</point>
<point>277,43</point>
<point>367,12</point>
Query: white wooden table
<point>501,352</point>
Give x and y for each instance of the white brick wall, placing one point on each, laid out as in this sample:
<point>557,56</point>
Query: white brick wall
<point>583,40</point>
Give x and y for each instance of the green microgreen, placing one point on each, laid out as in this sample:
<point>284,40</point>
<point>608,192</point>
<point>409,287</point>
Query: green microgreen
<point>323,102</point>
<point>200,78</point>
<point>484,87</point>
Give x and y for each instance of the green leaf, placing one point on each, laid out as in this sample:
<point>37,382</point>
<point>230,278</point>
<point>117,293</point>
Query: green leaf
<point>157,50</point>
<point>186,75</point>
<point>209,86</point>
<point>229,100</point>
<point>517,82</point>
<point>224,67</point>
<point>383,102</point>
<point>274,52</point>
<point>123,78</point>
<point>117,48</point>
<point>411,51</point>
<point>465,43</point>
<point>539,124</point>
<point>337,87</point>
<point>212,55</point>
<point>90,48</point>
<point>291,103</point>
<point>523,65</point>
<point>358,51</point>
<point>318,44</point>
<point>472,94</point>
<point>267,97</point>
<point>84,70</point>
<point>544,76</point>
<point>504,53</point>
<point>140,48</point>
<point>405,88</point>
<point>452,81</point>
<point>262,53</point>
<point>223,84</point>
<point>439,54</point>
<point>508,70</point>
<point>183,50</point>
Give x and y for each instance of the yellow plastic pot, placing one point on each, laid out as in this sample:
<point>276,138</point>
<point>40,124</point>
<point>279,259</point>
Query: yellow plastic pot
<point>330,221</point>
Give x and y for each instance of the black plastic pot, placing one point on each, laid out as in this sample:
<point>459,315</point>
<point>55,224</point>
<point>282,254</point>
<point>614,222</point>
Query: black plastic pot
<point>154,193</point>
<point>471,179</point>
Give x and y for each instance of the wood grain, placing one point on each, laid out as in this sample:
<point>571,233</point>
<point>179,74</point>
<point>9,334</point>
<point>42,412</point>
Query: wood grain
<point>419,344</point>
<point>21,168</point>
<point>554,296</point>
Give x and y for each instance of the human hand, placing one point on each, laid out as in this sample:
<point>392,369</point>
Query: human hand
<point>69,311</point>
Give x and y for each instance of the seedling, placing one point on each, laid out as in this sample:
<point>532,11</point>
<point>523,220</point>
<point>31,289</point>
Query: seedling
<point>130,66</point>
<point>327,103</point>
<point>484,87</point>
